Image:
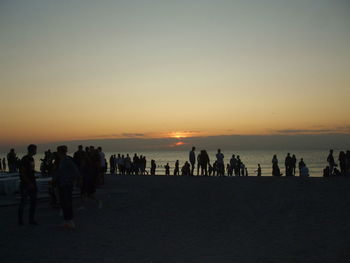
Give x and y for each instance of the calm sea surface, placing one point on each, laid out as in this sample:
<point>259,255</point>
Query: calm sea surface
<point>315,160</point>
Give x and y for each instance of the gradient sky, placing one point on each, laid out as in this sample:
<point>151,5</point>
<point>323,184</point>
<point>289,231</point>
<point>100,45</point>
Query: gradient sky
<point>103,69</point>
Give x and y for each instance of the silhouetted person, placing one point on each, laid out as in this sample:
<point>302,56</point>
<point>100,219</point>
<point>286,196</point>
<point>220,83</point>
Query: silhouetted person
<point>210,169</point>
<point>238,166</point>
<point>342,162</point>
<point>326,172</point>
<point>192,159</point>
<point>347,163</point>
<point>229,170</point>
<point>331,163</point>
<point>199,162</point>
<point>304,171</point>
<point>186,170</point>
<point>176,170</point>
<point>65,176</point>
<point>153,167</point>
<point>258,171</point>
<point>167,169</point>
<point>275,168</point>
<point>28,187</point>
<point>220,163</point>
<point>288,164</point>
<point>294,164</point>
<point>243,170</point>
<point>12,160</point>
<point>112,164</point>
<point>204,162</point>
<point>0,165</point>
<point>233,164</point>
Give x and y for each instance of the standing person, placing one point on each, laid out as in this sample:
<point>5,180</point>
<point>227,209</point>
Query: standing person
<point>176,170</point>
<point>294,164</point>
<point>28,187</point>
<point>288,165</point>
<point>167,169</point>
<point>204,163</point>
<point>153,167</point>
<point>275,168</point>
<point>238,166</point>
<point>112,164</point>
<point>64,177</point>
<point>192,159</point>
<point>233,163</point>
<point>12,160</point>
<point>220,163</point>
<point>199,164</point>
<point>331,162</point>
<point>342,162</point>
<point>258,171</point>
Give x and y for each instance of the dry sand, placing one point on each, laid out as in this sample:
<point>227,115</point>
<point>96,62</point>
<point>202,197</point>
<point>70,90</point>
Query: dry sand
<point>189,219</point>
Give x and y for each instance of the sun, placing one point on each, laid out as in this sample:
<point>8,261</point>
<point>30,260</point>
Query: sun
<point>178,135</point>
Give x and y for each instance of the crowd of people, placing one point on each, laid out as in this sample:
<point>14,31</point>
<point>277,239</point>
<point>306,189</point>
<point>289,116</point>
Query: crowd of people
<point>87,167</point>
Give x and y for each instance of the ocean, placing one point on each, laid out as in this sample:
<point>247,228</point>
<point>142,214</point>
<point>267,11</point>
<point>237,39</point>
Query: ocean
<point>316,160</point>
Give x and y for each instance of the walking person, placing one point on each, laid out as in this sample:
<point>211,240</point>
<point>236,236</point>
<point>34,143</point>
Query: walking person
<point>64,177</point>
<point>176,170</point>
<point>28,187</point>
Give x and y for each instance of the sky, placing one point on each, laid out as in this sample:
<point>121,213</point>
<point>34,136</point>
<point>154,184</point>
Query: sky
<point>80,70</point>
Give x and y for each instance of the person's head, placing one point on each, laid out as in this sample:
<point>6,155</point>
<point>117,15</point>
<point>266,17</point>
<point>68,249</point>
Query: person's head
<point>219,150</point>
<point>302,159</point>
<point>233,156</point>
<point>193,148</point>
<point>258,164</point>
<point>330,151</point>
<point>80,147</point>
<point>288,154</point>
<point>62,151</point>
<point>31,149</point>
<point>99,149</point>
<point>12,150</point>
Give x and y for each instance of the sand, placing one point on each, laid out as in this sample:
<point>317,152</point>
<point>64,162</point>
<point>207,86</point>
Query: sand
<point>189,219</point>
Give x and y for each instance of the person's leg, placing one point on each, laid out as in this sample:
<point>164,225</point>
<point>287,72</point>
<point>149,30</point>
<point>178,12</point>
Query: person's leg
<point>33,199</point>
<point>69,199</point>
<point>21,204</point>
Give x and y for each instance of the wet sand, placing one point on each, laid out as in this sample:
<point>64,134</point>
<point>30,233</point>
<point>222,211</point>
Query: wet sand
<point>189,219</point>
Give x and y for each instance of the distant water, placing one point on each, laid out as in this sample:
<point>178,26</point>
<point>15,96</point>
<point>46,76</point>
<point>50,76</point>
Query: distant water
<point>314,159</point>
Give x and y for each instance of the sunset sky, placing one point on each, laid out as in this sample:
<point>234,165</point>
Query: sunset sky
<point>74,70</point>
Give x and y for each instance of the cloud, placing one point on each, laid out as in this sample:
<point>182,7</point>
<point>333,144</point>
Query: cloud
<point>302,131</point>
<point>133,135</point>
<point>321,130</point>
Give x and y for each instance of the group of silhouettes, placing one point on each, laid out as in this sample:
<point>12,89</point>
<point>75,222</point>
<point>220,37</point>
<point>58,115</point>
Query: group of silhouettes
<point>87,167</point>
<point>332,167</point>
<point>290,163</point>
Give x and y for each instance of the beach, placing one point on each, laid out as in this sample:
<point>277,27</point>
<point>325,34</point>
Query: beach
<point>192,219</point>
